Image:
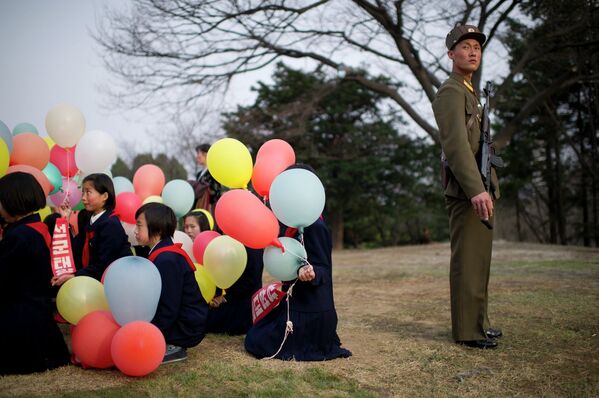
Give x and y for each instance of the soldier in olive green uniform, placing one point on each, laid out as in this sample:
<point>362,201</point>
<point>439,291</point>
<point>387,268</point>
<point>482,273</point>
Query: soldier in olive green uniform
<point>458,114</point>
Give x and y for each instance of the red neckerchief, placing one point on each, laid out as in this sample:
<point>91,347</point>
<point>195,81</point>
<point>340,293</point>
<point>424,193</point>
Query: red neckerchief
<point>43,231</point>
<point>85,255</point>
<point>174,248</point>
<point>89,235</point>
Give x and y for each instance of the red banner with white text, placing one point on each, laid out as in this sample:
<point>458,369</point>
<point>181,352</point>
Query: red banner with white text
<point>61,253</point>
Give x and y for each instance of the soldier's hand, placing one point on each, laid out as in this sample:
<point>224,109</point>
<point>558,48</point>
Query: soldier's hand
<point>483,205</point>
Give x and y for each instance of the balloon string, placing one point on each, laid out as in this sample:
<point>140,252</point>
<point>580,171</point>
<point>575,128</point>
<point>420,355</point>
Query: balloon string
<point>288,324</point>
<point>67,192</point>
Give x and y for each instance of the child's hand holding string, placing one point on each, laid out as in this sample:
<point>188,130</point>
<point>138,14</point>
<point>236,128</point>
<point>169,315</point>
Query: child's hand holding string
<point>65,209</point>
<point>306,273</point>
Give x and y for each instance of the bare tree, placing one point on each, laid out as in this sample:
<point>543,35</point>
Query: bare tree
<point>178,51</point>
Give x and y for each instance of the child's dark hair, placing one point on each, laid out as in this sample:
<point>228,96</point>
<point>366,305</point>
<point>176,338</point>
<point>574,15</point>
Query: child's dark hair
<point>161,219</point>
<point>200,218</point>
<point>21,194</point>
<point>203,148</point>
<point>50,221</point>
<point>103,184</point>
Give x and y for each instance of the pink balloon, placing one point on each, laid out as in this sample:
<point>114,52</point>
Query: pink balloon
<point>127,204</point>
<point>273,157</point>
<point>242,216</point>
<point>200,243</point>
<point>69,190</point>
<point>64,160</point>
<point>148,180</point>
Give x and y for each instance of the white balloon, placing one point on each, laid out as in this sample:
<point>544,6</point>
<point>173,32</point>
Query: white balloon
<point>95,152</point>
<point>185,240</point>
<point>130,231</point>
<point>65,125</point>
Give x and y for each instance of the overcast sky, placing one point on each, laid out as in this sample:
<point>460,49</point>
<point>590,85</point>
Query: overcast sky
<point>47,56</point>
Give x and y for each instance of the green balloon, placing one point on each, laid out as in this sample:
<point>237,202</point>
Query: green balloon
<point>54,176</point>
<point>79,206</point>
<point>24,128</point>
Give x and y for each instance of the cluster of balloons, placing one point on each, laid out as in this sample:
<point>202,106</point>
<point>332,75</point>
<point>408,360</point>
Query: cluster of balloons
<point>112,318</point>
<point>296,198</point>
<point>149,185</point>
<point>60,160</point>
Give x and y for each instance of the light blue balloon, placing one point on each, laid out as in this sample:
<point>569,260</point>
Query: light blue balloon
<point>24,128</point>
<point>284,265</point>
<point>122,184</point>
<point>54,177</point>
<point>6,135</point>
<point>297,198</point>
<point>132,286</point>
<point>178,195</point>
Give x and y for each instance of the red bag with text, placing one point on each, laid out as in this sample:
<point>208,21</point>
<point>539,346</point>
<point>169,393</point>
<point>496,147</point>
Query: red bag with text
<point>265,300</point>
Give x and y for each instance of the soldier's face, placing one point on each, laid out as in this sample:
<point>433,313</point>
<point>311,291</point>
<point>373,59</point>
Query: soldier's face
<point>466,56</point>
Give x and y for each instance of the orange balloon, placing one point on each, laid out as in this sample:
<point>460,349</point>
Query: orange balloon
<point>273,157</point>
<point>30,149</point>
<point>47,187</point>
<point>242,216</point>
<point>138,348</point>
<point>91,339</point>
<point>148,180</point>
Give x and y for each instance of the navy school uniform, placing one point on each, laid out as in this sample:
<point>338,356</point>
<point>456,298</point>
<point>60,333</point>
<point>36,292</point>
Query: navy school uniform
<point>235,316</point>
<point>182,311</point>
<point>31,340</point>
<point>107,241</point>
<point>312,311</point>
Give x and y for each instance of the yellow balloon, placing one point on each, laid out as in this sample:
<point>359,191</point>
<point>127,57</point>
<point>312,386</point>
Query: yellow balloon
<point>49,141</point>
<point>225,259</point>
<point>45,212</point>
<point>230,163</point>
<point>79,296</point>
<point>208,216</point>
<point>207,286</point>
<point>4,157</point>
<point>153,199</point>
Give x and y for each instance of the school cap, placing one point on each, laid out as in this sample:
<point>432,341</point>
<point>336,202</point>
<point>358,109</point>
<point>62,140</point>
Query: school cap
<point>462,32</point>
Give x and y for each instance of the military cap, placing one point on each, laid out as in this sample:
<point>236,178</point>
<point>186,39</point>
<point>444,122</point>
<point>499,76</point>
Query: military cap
<point>462,32</point>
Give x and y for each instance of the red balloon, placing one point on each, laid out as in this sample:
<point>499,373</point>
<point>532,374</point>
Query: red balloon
<point>200,243</point>
<point>138,348</point>
<point>242,216</point>
<point>127,204</point>
<point>30,149</point>
<point>64,160</point>
<point>91,339</point>
<point>47,187</point>
<point>148,180</point>
<point>273,157</point>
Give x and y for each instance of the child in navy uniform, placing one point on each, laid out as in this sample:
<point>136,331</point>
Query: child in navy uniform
<point>311,307</point>
<point>231,313</point>
<point>31,340</point>
<point>101,238</point>
<point>182,311</point>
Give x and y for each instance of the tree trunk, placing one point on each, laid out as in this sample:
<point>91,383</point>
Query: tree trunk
<point>336,225</point>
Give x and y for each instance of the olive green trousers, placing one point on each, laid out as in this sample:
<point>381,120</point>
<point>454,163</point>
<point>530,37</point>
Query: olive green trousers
<point>471,246</point>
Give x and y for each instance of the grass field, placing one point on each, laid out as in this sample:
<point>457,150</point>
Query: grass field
<point>393,307</point>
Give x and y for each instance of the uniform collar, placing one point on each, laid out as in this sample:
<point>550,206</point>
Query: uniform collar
<point>463,82</point>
